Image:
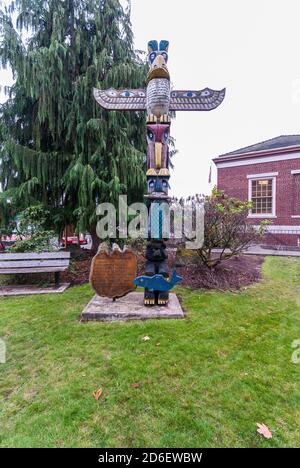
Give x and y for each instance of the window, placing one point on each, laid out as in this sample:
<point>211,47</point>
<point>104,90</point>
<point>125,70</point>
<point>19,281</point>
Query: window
<point>262,196</point>
<point>296,194</point>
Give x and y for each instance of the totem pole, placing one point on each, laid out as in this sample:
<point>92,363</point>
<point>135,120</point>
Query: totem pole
<point>159,100</point>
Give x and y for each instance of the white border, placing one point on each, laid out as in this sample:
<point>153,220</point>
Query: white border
<point>295,172</point>
<point>257,177</point>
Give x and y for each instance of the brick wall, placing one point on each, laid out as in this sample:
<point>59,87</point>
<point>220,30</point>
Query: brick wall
<point>233,180</point>
<point>281,239</point>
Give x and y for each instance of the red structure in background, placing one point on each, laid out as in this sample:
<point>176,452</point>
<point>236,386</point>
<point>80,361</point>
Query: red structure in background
<point>268,174</point>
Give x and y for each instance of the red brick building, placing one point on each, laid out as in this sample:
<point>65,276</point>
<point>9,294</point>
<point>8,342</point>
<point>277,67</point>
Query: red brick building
<point>268,174</point>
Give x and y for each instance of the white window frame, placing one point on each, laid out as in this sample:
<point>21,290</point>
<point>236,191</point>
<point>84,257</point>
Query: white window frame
<point>269,176</point>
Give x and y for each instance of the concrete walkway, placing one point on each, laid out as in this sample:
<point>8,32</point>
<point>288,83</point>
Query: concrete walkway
<point>258,250</point>
<point>26,290</point>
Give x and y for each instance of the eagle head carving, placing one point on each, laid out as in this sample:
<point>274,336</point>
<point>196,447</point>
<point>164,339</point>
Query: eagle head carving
<point>158,59</point>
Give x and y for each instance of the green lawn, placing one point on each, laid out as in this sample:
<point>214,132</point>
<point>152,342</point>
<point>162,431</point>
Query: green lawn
<point>204,381</point>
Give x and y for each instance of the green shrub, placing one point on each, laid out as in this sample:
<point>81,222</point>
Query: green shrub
<point>33,231</point>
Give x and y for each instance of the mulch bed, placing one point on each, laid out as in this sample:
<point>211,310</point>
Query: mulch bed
<point>235,273</point>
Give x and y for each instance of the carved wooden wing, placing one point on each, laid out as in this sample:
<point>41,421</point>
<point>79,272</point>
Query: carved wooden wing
<point>205,100</point>
<point>121,99</point>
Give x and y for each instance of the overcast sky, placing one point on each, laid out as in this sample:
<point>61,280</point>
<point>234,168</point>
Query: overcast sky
<point>249,47</point>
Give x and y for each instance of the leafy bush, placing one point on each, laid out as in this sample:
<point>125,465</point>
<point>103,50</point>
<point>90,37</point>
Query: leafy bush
<point>33,232</point>
<point>41,241</point>
<point>226,227</point>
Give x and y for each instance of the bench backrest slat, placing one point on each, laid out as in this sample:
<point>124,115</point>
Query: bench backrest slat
<point>12,271</point>
<point>33,263</point>
<point>34,256</point>
<point>11,263</point>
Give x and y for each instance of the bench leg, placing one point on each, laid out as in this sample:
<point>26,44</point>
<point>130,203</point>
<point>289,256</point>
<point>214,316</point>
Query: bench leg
<point>57,278</point>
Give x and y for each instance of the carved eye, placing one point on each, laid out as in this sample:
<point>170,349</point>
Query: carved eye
<point>141,94</point>
<point>165,56</point>
<point>151,183</point>
<point>166,137</point>
<point>152,57</point>
<point>127,94</point>
<point>190,94</point>
<point>205,93</point>
<point>151,135</point>
<point>174,94</point>
<point>165,184</point>
<point>112,93</point>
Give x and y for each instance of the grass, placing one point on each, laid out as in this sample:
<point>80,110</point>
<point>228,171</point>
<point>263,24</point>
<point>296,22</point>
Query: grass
<point>203,382</point>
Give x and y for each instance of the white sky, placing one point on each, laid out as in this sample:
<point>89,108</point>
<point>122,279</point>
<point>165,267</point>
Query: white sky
<point>251,47</point>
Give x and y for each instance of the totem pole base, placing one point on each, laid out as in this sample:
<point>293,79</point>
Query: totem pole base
<point>130,307</point>
<point>152,298</point>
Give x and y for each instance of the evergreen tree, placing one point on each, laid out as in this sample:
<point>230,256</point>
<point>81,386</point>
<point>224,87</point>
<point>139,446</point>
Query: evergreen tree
<point>58,147</point>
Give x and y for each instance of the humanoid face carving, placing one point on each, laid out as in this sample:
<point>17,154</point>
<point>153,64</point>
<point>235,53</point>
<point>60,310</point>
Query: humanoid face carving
<point>158,133</point>
<point>158,146</point>
<point>158,185</point>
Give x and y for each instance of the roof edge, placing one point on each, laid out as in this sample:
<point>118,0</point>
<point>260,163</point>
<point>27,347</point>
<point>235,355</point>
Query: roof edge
<point>252,154</point>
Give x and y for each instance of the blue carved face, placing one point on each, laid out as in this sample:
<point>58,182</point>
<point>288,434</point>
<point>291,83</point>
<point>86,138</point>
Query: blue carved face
<point>158,185</point>
<point>156,49</point>
<point>155,53</point>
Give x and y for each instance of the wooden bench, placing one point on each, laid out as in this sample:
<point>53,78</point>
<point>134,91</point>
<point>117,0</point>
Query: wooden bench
<point>45,262</point>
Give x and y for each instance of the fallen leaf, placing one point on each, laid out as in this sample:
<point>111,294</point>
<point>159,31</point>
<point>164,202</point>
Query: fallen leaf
<point>146,338</point>
<point>135,385</point>
<point>264,431</point>
<point>157,344</point>
<point>98,394</point>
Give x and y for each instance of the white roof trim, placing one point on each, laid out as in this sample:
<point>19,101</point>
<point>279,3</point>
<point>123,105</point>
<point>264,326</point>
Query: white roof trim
<point>264,174</point>
<point>249,162</point>
<point>297,171</point>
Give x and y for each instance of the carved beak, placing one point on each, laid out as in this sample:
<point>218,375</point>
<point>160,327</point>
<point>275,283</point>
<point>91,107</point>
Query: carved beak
<point>158,153</point>
<point>158,69</point>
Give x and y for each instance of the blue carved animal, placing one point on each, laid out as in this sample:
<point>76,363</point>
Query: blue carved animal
<point>157,282</point>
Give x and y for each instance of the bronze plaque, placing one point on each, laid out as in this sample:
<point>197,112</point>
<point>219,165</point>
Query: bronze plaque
<point>112,273</point>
